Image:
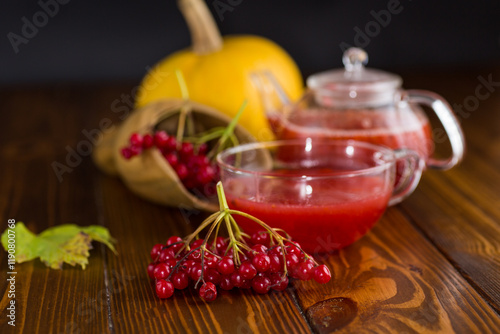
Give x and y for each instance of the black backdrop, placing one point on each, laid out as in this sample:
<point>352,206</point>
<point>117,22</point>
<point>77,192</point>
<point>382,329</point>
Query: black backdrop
<point>90,40</point>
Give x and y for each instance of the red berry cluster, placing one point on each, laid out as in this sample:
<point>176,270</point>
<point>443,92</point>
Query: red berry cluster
<point>263,266</point>
<point>190,163</point>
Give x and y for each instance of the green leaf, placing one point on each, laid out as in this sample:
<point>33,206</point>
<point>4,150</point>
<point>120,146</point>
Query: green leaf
<point>57,245</point>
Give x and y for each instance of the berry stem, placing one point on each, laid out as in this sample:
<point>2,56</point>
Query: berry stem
<point>228,132</point>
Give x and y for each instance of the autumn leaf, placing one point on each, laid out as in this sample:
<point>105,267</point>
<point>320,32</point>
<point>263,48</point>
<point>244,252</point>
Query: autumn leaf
<point>57,245</point>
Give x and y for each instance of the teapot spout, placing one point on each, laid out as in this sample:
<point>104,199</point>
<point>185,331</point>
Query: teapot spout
<point>272,95</point>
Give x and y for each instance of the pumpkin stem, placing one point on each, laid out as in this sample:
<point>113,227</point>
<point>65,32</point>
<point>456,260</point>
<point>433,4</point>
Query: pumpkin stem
<point>205,35</point>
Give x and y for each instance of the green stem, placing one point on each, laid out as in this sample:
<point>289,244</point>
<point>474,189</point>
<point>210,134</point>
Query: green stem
<point>229,131</point>
<point>222,197</point>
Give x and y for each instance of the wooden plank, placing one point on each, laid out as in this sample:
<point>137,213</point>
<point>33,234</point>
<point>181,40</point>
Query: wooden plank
<point>34,132</point>
<point>468,235</point>
<point>394,281</point>
<point>139,225</point>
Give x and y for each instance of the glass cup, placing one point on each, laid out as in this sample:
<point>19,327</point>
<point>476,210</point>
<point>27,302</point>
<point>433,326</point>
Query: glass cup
<point>325,194</point>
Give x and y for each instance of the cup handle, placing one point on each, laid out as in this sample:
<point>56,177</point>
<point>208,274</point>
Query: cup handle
<point>450,124</point>
<point>413,166</point>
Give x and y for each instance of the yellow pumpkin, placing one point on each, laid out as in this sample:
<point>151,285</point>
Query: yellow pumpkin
<point>217,71</point>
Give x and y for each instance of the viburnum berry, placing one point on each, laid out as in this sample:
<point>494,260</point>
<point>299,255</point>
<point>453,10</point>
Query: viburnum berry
<point>155,251</point>
<point>172,159</point>
<point>180,280</point>
<point>212,275</point>
<point>147,141</point>
<point>262,238</point>
<point>166,254</point>
<point>151,268</point>
<point>160,139</point>
<point>275,263</point>
<point>232,262</point>
<point>161,270</point>
<point>279,281</point>
<point>259,249</point>
<point>322,274</point>
<point>247,270</point>
<point>261,262</point>
<point>261,284</point>
<point>236,279</point>
<point>126,153</point>
<point>136,139</point>
<point>182,171</point>
<point>305,270</point>
<point>226,283</point>
<point>174,243</point>
<point>164,289</point>
<point>225,265</point>
<point>208,292</point>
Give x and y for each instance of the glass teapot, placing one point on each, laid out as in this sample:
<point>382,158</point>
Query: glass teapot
<point>362,104</point>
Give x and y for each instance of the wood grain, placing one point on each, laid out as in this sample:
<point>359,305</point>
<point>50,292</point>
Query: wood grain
<point>394,281</point>
<point>136,308</point>
<point>47,301</point>
<point>430,265</point>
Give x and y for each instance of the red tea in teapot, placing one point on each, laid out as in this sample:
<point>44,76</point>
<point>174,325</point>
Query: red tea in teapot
<point>410,130</point>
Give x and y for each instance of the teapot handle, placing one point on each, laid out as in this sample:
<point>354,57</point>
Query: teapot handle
<point>450,124</point>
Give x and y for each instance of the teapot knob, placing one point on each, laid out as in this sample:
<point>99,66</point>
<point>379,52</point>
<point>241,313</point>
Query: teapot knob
<point>354,59</point>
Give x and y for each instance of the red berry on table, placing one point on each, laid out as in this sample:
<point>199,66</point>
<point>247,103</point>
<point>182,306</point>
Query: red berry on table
<point>136,140</point>
<point>259,249</point>
<point>247,270</point>
<point>197,243</point>
<point>166,254</point>
<point>322,274</point>
<point>261,237</point>
<point>155,251</point>
<point>275,250</point>
<point>226,265</point>
<point>226,283</point>
<point>212,275</point>
<point>291,260</point>
<point>276,263</point>
<point>210,261</point>
<point>261,262</point>
<point>164,289</point>
<point>176,242</point>
<point>151,268</point>
<point>208,292</point>
<point>246,284</point>
<point>279,281</point>
<point>293,249</point>
<point>304,270</point>
<point>147,141</point>
<point>220,245</point>
<point>180,280</point>
<point>161,270</point>
<point>261,284</point>
<point>236,279</point>
<point>195,272</point>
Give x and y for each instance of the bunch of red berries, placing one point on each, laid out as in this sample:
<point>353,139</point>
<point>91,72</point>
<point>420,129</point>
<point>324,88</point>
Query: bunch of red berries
<point>190,162</point>
<point>260,266</point>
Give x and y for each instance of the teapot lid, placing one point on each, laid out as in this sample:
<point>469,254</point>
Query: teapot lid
<point>355,85</point>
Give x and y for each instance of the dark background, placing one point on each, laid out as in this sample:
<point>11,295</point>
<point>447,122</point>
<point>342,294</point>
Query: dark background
<point>90,40</point>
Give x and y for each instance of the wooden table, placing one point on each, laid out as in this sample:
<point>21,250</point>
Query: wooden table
<point>431,265</point>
